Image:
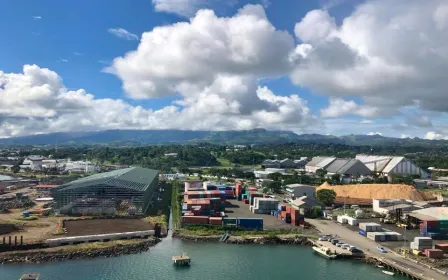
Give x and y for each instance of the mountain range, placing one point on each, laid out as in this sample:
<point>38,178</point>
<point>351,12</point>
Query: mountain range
<point>243,137</point>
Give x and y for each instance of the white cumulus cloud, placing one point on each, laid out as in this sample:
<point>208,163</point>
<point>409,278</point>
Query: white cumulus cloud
<point>339,107</point>
<point>187,8</point>
<point>36,101</point>
<point>431,135</point>
<point>392,54</point>
<point>123,34</point>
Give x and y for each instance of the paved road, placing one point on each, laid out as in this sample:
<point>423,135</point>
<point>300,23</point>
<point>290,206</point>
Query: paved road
<point>369,246</point>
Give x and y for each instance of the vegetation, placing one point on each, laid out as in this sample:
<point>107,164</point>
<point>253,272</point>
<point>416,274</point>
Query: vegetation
<point>29,218</point>
<point>176,205</point>
<point>204,230</point>
<point>325,196</point>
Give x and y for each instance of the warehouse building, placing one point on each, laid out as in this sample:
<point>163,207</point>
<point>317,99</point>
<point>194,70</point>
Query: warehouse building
<point>318,163</point>
<point>126,191</point>
<point>348,168</point>
<point>294,191</point>
<point>390,165</point>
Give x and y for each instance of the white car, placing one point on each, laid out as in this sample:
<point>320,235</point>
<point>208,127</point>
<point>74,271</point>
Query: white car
<point>323,238</point>
<point>340,244</point>
<point>345,247</point>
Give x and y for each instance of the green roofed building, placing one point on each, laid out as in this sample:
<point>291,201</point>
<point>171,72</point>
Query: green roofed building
<point>120,192</point>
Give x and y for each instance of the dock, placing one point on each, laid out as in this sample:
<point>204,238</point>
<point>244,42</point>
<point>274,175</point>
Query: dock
<point>341,253</point>
<point>181,260</point>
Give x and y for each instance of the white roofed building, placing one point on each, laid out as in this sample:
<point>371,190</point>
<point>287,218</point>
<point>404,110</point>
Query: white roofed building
<point>318,163</point>
<point>389,165</point>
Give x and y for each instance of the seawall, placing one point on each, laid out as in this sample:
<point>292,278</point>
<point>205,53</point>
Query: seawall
<point>51,255</point>
<point>287,239</point>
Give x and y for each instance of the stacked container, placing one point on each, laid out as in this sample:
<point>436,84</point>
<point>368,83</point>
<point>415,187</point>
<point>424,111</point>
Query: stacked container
<point>205,194</point>
<point>252,195</point>
<point>434,253</point>
<point>238,190</point>
<point>228,222</point>
<point>376,236</point>
<point>443,247</point>
<point>264,205</point>
<point>370,227</point>
<point>436,229</point>
<point>421,243</point>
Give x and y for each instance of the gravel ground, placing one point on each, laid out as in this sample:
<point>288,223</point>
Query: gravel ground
<point>104,226</point>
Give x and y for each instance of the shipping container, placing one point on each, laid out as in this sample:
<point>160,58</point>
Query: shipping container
<point>195,220</point>
<point>215,221</point>
<point>250,223</point>
<point>434,253</point>
<point>443,247</point>
<point>362,232</point>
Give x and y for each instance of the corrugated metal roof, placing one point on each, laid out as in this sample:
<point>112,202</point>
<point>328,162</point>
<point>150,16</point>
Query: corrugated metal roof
<point>392,163</point>
<point>315,160</point>
<point>325,162</point>
<point>341,165</point>
<point>438,213</point>
<point>136,178</point>
<point>374,163</point>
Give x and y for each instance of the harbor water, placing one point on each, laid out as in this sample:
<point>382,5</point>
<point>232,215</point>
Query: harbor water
<point>212,261</point>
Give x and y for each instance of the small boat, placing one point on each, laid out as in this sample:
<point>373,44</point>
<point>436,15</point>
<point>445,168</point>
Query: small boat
<point>388,273</point>
<point>325,252</point>
<point>380,266</point>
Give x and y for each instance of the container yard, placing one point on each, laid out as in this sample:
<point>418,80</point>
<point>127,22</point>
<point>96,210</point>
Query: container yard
<point>227,205</point>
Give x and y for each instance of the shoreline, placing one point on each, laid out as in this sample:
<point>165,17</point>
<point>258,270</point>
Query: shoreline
<point>76,252</point>
<point>261,240</point>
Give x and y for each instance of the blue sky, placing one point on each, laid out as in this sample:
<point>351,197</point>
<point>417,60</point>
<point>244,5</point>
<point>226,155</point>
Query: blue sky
<point>342,79</point>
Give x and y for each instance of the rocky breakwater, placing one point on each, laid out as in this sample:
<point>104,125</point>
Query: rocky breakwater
<point>288,239</point>
<point>62,253</point>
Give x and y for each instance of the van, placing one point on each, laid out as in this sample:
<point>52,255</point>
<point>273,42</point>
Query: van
<point>354,206</point>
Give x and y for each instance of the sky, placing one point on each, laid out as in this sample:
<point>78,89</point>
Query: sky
<point>316,66</point>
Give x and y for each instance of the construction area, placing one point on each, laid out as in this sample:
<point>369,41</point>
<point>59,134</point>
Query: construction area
<point>104,226</point>
<point>128,191</point>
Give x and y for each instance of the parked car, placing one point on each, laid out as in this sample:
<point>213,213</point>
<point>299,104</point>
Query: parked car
<point>323,238</point>
<point>345,247</point>
<point>381,249</point>
<point>339,244</point>
<point>334,241</point>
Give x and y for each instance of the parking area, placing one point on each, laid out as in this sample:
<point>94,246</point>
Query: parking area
<point>235,208</point>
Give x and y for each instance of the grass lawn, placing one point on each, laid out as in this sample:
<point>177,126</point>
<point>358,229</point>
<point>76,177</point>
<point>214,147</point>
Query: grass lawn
<point>224,162</point>
<point>218,230</point>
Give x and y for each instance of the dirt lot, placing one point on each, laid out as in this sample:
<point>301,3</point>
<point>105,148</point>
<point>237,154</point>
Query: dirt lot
<point>235,208</point>
<point>103,226</point>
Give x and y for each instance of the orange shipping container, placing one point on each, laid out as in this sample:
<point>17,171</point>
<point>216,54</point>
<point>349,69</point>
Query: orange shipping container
<point>215,221</point>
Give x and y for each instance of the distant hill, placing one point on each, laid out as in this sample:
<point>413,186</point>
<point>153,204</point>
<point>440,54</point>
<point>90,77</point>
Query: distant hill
<point>255,136</point>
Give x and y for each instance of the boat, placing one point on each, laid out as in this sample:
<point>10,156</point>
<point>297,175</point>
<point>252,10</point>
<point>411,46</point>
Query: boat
<point>325,252</point>
<point>388,273</point>
<point>30,276</point>
<point>380,266</point>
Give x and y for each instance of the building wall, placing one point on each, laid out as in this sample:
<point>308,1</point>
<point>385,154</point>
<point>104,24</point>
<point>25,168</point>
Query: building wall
<point>149,193</point>
<point>308,191</point>
<point>406,167</point>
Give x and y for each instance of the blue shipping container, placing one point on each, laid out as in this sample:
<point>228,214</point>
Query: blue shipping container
<point>250,223</point>
<point>212,188</point>
<point>275,213</point>
<point>362,232</point>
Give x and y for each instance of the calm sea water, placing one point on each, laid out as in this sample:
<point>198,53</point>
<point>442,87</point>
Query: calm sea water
<point>209,261</point>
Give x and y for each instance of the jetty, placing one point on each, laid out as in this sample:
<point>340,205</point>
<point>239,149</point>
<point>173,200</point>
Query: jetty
<point>181,260</point>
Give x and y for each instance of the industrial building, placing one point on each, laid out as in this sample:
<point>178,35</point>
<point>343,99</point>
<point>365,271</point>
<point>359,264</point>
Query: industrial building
<point>125,191</point>
<point>305,204</point>
<point>318,163</point>
<point>391,165</point>
<point>390,206</point>
<point>294,191</point>
<point>284,163</point>
<point>348,168</point>
<point>433,222</point>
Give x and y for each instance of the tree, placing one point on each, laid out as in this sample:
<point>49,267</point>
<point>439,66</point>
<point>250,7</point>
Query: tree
<point>275,176</point>
<point>321,173</point>
<point>15,169</point>
<point>316,212</point>
<point>336,178</point>
<point>326,196</point>
<point>273,186</point>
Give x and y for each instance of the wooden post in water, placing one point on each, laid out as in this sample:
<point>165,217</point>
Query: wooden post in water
<point>15,240</point>
<point>10,240</point>
<point>21,240</point>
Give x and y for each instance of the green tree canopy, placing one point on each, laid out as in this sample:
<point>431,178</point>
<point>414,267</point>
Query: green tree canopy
<point>326,196</point>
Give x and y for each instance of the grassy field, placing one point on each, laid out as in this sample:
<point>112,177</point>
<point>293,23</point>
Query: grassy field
<point>224,162</point>
<point>176,207</point>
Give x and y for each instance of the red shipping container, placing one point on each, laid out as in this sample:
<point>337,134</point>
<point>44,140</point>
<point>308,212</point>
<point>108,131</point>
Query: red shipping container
<point>434,253</point>
<point>252,188</point>
<point>216,221</point>
<point>195,220</point>
<point>443,247</point>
